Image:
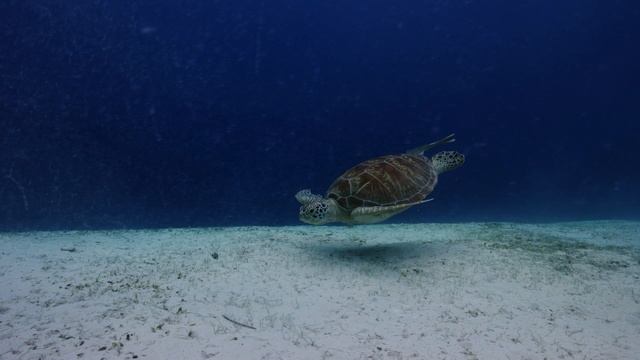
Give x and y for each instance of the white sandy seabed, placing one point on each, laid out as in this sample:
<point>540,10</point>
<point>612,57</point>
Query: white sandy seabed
<point>437,291</point>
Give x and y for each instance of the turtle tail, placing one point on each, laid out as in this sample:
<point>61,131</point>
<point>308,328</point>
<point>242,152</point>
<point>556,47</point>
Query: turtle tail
<point>447,160</point>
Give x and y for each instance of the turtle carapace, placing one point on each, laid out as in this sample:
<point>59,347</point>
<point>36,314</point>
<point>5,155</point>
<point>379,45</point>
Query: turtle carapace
<point>377,189</point>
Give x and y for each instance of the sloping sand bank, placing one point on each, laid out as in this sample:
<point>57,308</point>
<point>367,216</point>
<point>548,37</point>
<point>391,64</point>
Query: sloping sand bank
<point>439,291</point>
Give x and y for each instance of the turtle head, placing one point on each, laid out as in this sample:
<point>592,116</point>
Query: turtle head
<point>315,209</point>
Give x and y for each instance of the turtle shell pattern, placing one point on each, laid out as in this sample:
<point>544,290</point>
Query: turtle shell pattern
<point>384,181</point>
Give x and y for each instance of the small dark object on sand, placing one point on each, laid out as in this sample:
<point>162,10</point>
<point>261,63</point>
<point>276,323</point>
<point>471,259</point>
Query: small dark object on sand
<point>238,323</point>
<point>215,255</point>
<point>68,249</point>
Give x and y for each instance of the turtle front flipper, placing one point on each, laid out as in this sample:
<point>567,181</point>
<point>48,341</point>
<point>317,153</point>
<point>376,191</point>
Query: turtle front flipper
<point>306,197</point>
<point>374,214</point>
<point>447,161</point>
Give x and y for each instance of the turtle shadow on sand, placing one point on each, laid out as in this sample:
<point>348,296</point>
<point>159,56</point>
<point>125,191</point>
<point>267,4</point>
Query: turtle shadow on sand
<point>377,253</point>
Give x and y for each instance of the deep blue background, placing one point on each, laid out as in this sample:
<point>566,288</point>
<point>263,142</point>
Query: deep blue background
<point>189,113</point>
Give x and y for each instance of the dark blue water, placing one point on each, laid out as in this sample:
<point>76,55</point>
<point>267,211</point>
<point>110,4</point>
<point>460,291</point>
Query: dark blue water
<point>192,113</point>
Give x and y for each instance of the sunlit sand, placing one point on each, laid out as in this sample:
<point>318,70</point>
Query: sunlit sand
<point>436,291</point>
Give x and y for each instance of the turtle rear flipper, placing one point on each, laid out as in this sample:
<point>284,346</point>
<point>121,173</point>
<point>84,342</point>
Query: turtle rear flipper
<point>446,161</point>
<point>374,214</point>
<point>421,149</point>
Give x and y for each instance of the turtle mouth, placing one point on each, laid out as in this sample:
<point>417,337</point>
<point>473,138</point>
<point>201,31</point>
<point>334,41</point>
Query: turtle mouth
<point>306,220</point>
<point>314,213</point>
<point>309,216</point>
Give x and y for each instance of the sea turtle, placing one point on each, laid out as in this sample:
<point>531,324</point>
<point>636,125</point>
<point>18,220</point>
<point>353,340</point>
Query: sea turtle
<point>377,189</point>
